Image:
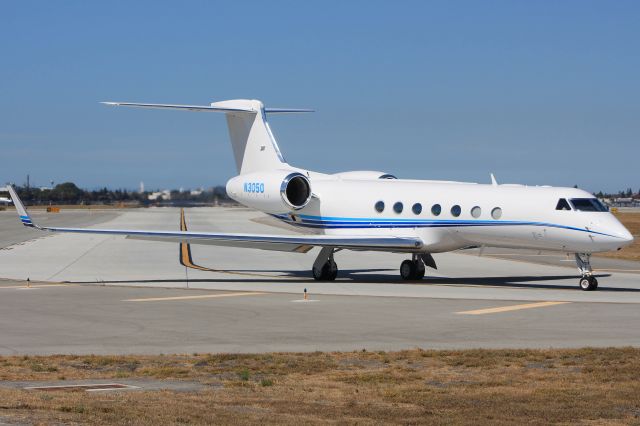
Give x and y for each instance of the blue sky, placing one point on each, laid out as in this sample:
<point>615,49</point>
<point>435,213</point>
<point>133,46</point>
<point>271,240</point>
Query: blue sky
<point>536,92</point>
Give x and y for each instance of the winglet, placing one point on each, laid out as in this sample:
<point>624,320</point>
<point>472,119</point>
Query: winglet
<point>494,182</point>
<point>22,212</point>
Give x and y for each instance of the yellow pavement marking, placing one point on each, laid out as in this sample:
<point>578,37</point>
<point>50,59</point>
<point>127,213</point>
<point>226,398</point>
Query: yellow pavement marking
<point>200,296</point>
<point>510,308</point>
<point>36,286</point>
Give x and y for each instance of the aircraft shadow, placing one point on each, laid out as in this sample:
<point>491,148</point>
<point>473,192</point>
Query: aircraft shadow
<point>373,276</point>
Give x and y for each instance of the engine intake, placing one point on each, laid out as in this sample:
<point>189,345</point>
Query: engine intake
<point>296,190</point>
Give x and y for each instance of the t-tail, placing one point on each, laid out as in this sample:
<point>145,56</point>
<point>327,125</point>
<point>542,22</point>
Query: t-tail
<point>254,146</point>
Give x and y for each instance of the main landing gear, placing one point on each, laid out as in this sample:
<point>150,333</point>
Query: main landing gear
<point>325,268</point>
<point>414,269</point>
<point>588,282</point>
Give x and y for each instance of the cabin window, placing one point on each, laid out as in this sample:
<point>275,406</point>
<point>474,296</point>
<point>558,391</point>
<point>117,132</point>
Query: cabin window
<point>588,205</point>
<point>397,207</point>
<point>496,213</point>
<point>476,212</point>
<point>436,210</point>
<point>563,204</point>
<point>456,210</point>
<point>417,208</point>
<point>379,206</point>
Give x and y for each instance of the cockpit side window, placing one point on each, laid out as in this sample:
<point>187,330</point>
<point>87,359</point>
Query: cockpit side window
<point>563,204</point>
<point>588,205</point>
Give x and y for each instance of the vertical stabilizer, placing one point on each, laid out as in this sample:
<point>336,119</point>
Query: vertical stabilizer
<point>254,146</point>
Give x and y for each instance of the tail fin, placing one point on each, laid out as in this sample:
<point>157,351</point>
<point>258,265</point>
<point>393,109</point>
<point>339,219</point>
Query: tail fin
<point>254,146</point>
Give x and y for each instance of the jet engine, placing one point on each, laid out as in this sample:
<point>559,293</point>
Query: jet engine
<point>273,191</point>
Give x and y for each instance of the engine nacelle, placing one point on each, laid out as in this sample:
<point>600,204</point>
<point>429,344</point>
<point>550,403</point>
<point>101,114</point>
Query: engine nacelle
<point>273,191</point>
<point>364,175</point>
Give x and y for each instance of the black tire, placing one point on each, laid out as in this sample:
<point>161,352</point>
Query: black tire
<point>328,272</point>
<point>317,273</point>
<point>588,283</point>
<point>420,270</point>
<point>408,270</point>
<point>333,271</point>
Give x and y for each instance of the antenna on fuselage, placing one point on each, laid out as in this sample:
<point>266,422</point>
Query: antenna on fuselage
<point>494,182</point>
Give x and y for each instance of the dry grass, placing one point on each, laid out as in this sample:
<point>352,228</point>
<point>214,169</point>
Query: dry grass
<point>632,221</point>
<point>600,386</point>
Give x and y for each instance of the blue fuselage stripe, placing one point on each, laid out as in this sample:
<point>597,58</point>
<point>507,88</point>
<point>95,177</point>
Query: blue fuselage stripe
<point>329,222</point>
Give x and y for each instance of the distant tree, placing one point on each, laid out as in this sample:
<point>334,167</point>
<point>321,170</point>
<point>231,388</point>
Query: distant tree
<point>67,192</point>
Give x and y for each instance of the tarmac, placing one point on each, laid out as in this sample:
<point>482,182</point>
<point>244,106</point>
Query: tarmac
<point>107,294</point>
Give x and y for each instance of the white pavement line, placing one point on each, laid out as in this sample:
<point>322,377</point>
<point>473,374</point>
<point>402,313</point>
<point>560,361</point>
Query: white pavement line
<point>19,287</point>
<point>200,296</point>
<point>510,308</point>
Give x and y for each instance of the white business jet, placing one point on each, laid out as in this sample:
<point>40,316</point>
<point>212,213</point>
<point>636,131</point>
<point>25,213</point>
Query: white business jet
<point>4,200</point>
<point>370,210</point>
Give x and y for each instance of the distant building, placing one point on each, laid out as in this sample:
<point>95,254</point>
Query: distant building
<point>624,202</point>
<point>164,195</point>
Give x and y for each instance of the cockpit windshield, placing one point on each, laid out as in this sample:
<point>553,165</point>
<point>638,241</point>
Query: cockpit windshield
<point>588,205</point>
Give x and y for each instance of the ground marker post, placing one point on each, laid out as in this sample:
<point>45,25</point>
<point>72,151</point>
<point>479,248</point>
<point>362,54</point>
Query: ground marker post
<point>305,294</point>
<point>28,283</point>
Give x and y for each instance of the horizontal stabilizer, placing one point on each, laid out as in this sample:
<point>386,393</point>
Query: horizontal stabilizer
<point>224,106</point>
<point>184,107</point>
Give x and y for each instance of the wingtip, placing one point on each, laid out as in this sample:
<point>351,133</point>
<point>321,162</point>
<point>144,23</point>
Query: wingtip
<point>110,103</point>
<point>22,211</point>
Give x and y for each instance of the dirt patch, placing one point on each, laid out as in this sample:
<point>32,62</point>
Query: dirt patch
<point>632,222</point>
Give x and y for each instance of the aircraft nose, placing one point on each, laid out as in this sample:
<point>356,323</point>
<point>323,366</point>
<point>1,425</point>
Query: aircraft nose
<point>625,235</point>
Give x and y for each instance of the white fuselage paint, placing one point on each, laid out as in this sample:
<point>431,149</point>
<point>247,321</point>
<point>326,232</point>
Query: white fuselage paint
<point>345,206</point>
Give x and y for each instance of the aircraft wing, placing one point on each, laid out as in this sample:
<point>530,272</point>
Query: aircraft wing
<point>296,243</point>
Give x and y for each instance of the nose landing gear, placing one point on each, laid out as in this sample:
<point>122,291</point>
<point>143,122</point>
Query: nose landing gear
<point>588,282</point>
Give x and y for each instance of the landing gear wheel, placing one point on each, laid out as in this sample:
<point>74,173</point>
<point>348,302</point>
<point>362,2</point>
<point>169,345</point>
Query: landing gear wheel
<point>328,272</point>
<point>419,270</point>
<point>588,283</point>
<point>408,270</point>
<point>334,271</point>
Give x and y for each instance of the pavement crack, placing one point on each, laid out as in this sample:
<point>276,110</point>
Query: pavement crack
<point>77,259</point>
